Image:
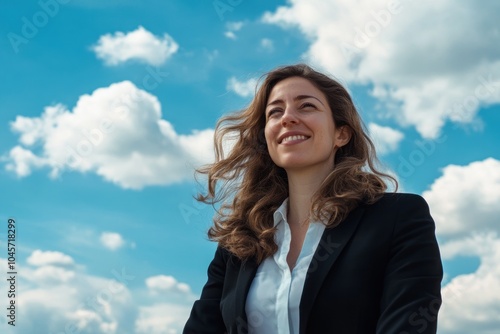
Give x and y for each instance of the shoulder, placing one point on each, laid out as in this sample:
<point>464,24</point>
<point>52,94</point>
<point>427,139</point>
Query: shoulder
<point>226,257</point>
<point>402,197</point>
<point>399,209</point>
<point>399,201</point>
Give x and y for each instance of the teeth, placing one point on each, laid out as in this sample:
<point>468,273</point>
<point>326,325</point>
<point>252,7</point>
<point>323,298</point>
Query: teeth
<point>293,138</point>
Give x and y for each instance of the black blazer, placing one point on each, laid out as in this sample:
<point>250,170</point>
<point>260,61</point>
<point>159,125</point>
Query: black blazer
<point>379,271</point>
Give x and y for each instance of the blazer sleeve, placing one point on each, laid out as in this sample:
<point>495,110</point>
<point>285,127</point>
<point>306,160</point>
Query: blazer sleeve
<point>206,317</point>
<point>411,295</point>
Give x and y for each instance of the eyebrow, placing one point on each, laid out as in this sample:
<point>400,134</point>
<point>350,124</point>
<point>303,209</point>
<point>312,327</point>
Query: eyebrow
<point>297,98</point>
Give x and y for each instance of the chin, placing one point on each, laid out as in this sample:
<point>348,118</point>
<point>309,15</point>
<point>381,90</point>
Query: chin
<point>302,163</point>
<point>293,164</point>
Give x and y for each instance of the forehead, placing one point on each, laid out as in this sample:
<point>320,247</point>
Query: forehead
<point>294,86</point>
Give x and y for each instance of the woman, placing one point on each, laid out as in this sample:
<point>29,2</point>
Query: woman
<point>308,240</point>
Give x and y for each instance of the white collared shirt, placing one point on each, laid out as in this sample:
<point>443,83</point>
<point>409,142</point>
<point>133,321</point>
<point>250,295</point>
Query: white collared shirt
<point>272,304</point>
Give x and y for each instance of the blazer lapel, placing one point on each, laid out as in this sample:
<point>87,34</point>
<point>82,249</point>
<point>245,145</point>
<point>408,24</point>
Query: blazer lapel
<point>329,248</point>
<point>246,274</point>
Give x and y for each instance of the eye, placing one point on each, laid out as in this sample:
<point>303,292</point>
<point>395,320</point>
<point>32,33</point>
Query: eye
<point>307,105</point>
<point>273,111</point>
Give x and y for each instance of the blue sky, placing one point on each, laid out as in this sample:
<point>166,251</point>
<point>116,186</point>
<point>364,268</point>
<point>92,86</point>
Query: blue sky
<point>107,108</point>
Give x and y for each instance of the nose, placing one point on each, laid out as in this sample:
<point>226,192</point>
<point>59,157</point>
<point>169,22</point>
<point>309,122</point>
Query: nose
<point>289,117</point>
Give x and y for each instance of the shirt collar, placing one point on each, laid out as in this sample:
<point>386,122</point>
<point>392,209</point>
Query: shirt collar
<point>280,213</point>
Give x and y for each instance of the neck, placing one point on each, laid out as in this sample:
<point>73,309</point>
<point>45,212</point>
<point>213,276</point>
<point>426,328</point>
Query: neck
<point>302,186</point>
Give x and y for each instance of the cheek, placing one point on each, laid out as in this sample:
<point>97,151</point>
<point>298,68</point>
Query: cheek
<point>325,132</point>
<point>269,134</point>
<point>328,128</point>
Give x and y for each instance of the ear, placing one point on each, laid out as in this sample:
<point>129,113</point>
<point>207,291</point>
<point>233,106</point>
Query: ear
<point>343,136</point>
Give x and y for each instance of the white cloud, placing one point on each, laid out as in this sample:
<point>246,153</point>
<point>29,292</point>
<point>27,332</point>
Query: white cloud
<point>267,44</point>
<point>92,322</point>
<point>162,318</point>
<point>52,275</point>
<point>44,258</point>
<point>242,88</point>
<point>230,34</point>
<point>466,198</point>
<point>140,45</point>
<point>55,300</point>
<point>116,132</point>
<point>21,161</point>
<point>471,302</point>
<point>112,240</point>
<point>165,317</point>
<point>425,71</point>
<point>464,204</point>
<point>233,27</point>
<point>386,139</point>
<point>161,283</point>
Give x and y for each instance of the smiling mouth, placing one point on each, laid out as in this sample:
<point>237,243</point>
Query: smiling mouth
<point>292,138</point>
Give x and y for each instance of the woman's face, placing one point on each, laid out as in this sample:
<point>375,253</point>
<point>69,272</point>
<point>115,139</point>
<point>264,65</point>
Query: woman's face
<point>300,131</point>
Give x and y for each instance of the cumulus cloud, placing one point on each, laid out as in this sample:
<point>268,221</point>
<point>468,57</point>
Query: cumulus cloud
<point>466,198</point>
<point>471,302</point>
<point>464,204</point>
<point>230,34</point>
<point>44,258</point>
<point>53,274</point>
<point>267,44</point>
<point>91,322</point>
<point>165,317</point>
<point>56,299</point>
<point>116,132</point>
<point>161,318</point>
<point>23,161</point>
<point>140,45</point>
<point>386,139</point>
<point>426,72</point>
<point>232,28</point>
<point>112,240</point>
<point>242,88</point>
<point>161,283</point>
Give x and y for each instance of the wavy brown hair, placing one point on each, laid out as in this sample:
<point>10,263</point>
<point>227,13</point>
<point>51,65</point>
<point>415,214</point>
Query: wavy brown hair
<point>249,186</point>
